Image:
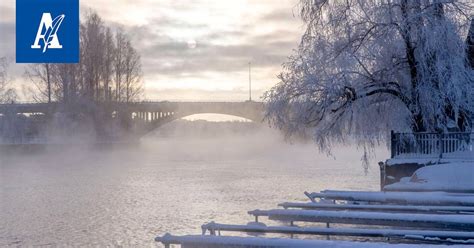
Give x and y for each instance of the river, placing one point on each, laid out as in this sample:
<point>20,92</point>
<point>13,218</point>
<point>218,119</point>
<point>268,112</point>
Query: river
<point>126,196</point>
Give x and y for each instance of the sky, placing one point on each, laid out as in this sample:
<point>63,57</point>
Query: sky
<point>195,50</point>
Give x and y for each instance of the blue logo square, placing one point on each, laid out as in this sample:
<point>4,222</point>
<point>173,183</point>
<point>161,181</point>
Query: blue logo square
<point>47,31</point>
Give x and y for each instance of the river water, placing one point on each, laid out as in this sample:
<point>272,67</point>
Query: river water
<point>128,195</point>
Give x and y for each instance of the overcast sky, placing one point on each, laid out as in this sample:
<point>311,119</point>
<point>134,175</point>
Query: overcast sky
<point>193,50</point>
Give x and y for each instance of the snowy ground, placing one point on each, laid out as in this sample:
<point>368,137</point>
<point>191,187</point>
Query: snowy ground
<point>451,176</point>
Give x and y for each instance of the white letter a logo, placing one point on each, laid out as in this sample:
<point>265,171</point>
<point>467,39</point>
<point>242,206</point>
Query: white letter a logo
<point>49,37</point>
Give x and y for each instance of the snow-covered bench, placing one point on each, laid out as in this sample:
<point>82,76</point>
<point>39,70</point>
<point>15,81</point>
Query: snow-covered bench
<point>458,222</point>
<point>379,207</point>
<point>191,241</point>
<point>405,198</point>
<point>443,236</point>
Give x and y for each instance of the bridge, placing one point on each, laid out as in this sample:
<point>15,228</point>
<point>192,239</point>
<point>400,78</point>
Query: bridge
<point>144,117</point>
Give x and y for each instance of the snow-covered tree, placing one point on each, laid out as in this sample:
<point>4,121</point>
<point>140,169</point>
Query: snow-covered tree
<point>364,68</point>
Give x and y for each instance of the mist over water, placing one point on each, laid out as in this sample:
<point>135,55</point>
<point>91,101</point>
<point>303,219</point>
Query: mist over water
<point>173,181</point>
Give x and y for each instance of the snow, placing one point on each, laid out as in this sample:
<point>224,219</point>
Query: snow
<point>230,241</point>
<point>375,207</point>
<point>379,232</point>
<point>414,198</point>
<point>458,220</point>
<point>456,176</point>
<point>414,158</point>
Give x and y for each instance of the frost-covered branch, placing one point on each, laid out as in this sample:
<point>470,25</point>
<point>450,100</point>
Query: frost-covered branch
<point>366,67</point>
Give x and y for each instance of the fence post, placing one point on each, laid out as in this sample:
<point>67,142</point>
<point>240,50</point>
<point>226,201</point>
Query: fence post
<point>383,175</point>
<point>471,138</point>
<point>392,144</point>
<point>441,144</point>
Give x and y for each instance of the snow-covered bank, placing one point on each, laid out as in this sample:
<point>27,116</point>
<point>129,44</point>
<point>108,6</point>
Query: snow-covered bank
<point>453,176</point>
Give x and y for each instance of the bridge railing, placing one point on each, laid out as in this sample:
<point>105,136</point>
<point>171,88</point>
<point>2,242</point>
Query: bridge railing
<point>451,144</point>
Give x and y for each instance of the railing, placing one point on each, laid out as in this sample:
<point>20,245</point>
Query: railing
<point>431,144</point>
<point>139,102</point>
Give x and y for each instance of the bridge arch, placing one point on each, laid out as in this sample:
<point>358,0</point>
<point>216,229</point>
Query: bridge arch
<point>154,118</point>
<point>213,117</point>
<point>154,125</point>
<point>172,119</point>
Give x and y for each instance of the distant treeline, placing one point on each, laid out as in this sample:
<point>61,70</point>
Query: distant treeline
<point>109,71</point>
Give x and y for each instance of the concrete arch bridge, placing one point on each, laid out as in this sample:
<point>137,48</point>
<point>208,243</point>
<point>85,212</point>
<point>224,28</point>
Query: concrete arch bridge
<point>144,117</point>
<point>152,115</point>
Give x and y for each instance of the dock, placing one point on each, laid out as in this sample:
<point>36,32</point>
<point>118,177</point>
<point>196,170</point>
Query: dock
<point>344,218</point>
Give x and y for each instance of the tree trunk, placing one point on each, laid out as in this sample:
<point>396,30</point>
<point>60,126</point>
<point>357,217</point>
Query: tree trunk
<point>48,82</point>
<point>470,45</point>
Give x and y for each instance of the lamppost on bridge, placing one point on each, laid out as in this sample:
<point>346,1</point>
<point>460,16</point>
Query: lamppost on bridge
<point>250,81</point>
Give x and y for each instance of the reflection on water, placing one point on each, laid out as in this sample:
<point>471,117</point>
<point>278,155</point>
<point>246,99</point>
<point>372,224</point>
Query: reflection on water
<point>127,196</point>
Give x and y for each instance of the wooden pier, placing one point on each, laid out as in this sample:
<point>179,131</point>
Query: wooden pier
<point>399,217</point>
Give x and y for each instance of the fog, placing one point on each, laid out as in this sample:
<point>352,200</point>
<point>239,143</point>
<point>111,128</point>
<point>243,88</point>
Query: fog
<point>176,179</point>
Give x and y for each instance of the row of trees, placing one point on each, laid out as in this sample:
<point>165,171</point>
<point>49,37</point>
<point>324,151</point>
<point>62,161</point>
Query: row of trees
<point>7,94</point>
<point>109,69</point>
<point>364,68</point>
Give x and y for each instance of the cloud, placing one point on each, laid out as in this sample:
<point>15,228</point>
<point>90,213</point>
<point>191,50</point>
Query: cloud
<point>7,12</point>
<point>236,94</point>
<point>175,57</point>
<point>7,29</point>
<point>7,46</point>
<point>227,35</point>
<point>163,54</point>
